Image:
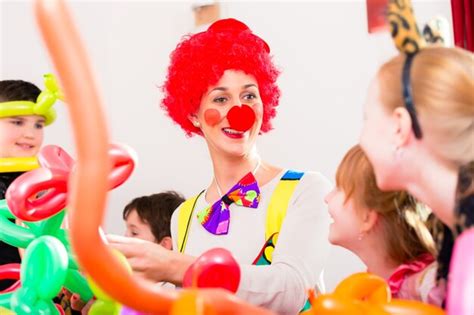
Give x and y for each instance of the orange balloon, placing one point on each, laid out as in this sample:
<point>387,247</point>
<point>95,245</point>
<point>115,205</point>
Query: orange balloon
<point>364,286</point>
<point>366,294</point>
<point>406,307</point>
<point>90,183</point>
<point>190,303</point>
<point>330,304</point>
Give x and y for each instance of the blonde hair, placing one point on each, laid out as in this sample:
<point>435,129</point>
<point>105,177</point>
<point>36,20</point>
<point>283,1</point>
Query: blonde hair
<point>442,81</point>
<point>405,235</point>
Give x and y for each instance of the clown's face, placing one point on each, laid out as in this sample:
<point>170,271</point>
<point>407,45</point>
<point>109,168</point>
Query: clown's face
<point>221,131</point>
<point>21,136</point>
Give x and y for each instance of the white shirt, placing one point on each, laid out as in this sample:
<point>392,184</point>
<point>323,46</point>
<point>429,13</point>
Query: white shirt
<point>300,253</point>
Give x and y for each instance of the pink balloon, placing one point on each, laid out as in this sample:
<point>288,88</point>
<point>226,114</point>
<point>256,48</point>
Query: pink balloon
<point>216,268</point>
<point>10,272</point>
<point>60,309</point>
<point>123,163</point>
<point>41,193</point>
<point>51,187</point>
<point>460,299</point>
<point>52,156</point>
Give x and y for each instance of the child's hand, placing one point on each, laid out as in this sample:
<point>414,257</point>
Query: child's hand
<point>87,307</point>
<point>77,303</point>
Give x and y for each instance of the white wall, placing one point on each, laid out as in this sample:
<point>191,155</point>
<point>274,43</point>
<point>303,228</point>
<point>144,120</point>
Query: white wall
<point>323,48</point>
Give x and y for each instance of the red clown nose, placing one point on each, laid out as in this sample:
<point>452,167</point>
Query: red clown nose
<point>241,118</point>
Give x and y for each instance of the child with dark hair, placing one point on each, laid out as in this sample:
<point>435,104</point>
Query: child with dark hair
<point>148,217</point>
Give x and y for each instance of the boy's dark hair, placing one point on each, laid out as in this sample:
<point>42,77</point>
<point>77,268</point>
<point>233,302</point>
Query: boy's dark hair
<point>18,90</point>
<point>156,210</point>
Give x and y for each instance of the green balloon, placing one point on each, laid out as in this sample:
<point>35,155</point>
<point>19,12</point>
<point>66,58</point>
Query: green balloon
<point>25,302</point>
<point>44,267</point>
<point>14,234</point>
<point>5,299</point>
<point>75,282</point>
<point>102,307</point>
<point>51,225</point>
<point>4,210</point>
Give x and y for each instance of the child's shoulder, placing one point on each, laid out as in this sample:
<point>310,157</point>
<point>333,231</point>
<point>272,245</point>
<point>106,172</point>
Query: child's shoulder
<point>423,286</point>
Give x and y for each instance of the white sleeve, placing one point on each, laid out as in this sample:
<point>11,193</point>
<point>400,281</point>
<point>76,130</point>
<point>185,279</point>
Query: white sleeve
<point>300,253</point>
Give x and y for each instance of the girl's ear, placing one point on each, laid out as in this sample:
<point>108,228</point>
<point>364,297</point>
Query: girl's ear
<point>369,220</point>
<point>403,130</point>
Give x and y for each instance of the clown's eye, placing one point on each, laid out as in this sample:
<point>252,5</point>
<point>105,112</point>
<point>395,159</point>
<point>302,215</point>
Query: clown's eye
<point>249,96</point>
<point>219,99</point>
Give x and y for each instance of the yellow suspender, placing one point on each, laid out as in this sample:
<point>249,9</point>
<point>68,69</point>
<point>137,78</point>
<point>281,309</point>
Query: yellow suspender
<point>279,203</point>
<point>184,221</point>
<point>275,214</point>
<point>278,206</point>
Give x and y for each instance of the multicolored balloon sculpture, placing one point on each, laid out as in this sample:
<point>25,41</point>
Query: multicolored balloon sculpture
<point>38,198</point>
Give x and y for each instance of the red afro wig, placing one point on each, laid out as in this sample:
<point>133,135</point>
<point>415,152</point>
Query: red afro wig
<point>200,60</point>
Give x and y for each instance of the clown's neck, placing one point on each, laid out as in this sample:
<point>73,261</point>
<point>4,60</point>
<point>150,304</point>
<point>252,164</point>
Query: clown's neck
<point>229,170</point>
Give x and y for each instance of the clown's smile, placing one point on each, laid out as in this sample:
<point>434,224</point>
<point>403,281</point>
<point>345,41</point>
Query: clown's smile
<point>234,134</point>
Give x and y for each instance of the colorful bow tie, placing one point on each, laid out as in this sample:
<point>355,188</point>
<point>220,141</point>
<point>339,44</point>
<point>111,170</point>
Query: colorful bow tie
<point>216,218</point>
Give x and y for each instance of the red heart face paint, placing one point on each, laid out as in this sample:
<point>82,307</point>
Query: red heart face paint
<point>212,117</point>
<point>241,118</point>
